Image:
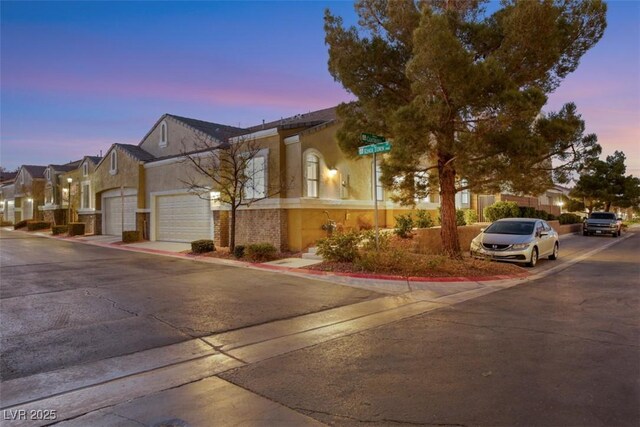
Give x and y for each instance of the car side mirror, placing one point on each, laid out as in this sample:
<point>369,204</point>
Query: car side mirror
<point>482,229</point>
<point>544,233</point>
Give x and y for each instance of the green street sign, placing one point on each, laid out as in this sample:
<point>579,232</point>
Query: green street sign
<point>371,138</point>
<point>382,147</point>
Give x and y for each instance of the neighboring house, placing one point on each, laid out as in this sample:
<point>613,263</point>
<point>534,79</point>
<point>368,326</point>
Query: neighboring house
<point>57,192</point>
<point>7,180</point>
<point>83,204</point>
<point>170,212</point>
<point>550,201</point>
<point>28,192</point>
<point>117,185</point>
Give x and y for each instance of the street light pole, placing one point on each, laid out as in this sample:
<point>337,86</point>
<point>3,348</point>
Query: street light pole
<point>69,181</point>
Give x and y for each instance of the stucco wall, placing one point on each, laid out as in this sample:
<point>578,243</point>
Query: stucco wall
<point>177,134</point>
<point>130,174</point>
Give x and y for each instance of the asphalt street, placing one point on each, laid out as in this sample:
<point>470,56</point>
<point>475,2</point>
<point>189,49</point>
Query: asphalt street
<point>115,338</point>
<point>561,351</point>
<point>65,303</point>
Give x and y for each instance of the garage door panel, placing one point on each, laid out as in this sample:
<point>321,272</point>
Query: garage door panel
<point>183,218</point>
<point>112,210</point>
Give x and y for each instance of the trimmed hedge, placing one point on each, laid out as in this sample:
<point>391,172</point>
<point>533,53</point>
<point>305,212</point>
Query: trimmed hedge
<point>238,251</point>
<point>259,252</point>
<point>202,246</point>
<point>341,247</point>
<point>76,229</point>
<point>569,218</point>
<point>5,223</point>
<point>131,236</point>
<point>59,229</point>
<point>501,210</point>
<point>20,224</point>
<point>38,225</point>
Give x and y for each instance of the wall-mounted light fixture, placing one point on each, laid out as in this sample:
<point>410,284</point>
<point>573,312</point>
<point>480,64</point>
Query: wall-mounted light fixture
<point>333,172</point>
<point>29,200</point>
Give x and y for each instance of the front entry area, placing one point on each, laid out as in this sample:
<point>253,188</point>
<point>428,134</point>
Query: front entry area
<point>114,204</point>
<point>182,218</point>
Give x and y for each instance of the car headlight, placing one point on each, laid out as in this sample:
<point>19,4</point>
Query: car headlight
<point>520,246</point>
<point>475,245</point>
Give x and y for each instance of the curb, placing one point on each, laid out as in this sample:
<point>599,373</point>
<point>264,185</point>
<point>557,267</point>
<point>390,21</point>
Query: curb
<point>296,270</point>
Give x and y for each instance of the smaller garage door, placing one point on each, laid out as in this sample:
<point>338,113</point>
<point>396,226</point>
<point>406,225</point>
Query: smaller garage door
<point>27,209</point>
<point>183,218</point>
<point>112,211</point>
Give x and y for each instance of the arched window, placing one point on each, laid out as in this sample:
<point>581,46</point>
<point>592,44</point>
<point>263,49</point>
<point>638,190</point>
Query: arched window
<point>163,134</point>
<point>113,166</point>
<point>312,169</point>
<point>85,169</point>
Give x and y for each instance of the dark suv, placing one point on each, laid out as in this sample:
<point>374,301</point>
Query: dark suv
<point>602,223</point>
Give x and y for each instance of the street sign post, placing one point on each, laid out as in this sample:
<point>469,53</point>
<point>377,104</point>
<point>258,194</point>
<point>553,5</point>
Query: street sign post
<point>377,144</point>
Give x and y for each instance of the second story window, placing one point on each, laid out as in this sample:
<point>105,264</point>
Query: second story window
<point>113,166</point>
<point>47,174</point>
<point>163,134</point>
<point>85,169</point>
<point>86,196</point>
<point>256,173</point>
<point>312,171</point>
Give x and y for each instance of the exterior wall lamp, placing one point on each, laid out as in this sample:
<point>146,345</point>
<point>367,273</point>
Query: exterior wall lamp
<point>69,181</point>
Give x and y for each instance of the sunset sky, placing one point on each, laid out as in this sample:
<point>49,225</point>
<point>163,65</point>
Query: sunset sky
<point>77,77</point>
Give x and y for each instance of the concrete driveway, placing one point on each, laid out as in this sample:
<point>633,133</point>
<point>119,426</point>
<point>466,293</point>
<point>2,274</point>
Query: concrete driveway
<point>65,303</point>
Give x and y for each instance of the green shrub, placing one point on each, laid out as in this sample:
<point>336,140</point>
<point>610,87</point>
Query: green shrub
<point>20,224</point>
<point>202,246</point>
<point>38,225</point>
<point>59,229</point>
<point>527,212</point>
<point>260,252</point>
<point>470,216</point>
<point>238,251</point>
<point>569,218</point>
<point>4,223</point>
<point>76,229</point>
<point>368,240</point>
<point>404,225</point>
<point>131,236</point>
<point>460,219</point>
<point>501,210</point>
<point>341,247</point>
<point>551,217</point>
<point>390,261</point>
<point>423,219</point>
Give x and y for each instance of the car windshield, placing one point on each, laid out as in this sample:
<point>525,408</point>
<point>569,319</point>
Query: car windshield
<point>510,227</point>
<point>603,216</point>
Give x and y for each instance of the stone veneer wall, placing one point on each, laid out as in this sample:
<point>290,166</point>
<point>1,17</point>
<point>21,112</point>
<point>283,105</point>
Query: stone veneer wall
<point>221,228</point>
<point>262,225</point>
<point>143,223</point>
<point>55,216</point>
<point>93,223</point>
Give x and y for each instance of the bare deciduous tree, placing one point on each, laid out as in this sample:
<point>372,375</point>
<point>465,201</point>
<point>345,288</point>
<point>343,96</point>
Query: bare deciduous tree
<point>234,173</point>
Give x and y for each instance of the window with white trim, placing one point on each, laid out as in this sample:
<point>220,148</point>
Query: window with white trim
<point>47,174</point>
<point>464,194</point>
<point>255,171</point>
<point>85,169</point>
<point>85,201</point>
<point>163,134</point>
<point>312,173</point>
<point>113,165</point>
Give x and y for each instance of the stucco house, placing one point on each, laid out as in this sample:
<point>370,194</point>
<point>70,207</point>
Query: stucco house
<point>7,180</point>
<point>57,192</point>
<point>28,192</point>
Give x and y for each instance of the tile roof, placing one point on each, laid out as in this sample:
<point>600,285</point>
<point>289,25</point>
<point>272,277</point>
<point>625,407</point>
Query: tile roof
<point>136,152</point>
<point>8,176</point>
<point>67,166</point>
<point>312,118</point>
<point>215,130</point>
<point>35,171</point>
<point>94,159</point>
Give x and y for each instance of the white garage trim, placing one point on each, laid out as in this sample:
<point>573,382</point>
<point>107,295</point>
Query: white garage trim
<point>112,206</point>
<point>161,204</point>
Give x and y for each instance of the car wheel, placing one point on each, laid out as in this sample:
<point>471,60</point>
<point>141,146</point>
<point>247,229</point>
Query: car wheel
<point>534,258</point>
<point>554,255</point>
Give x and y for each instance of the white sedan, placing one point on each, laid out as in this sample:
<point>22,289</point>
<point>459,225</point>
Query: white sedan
<point>520,240</point>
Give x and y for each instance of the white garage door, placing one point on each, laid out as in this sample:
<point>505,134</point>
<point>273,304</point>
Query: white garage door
<point>112,211</point>
<point>10,212</point>
<point>183,218</point>
<point>27,209</point>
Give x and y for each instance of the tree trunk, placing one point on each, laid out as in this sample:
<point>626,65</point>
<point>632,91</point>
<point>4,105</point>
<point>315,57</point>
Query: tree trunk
<point>607,207</point>
<point>448,229</point>
<point>232,229</point>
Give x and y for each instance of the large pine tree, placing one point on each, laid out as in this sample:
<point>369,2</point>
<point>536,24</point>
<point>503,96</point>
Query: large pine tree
<point>460,92</point>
